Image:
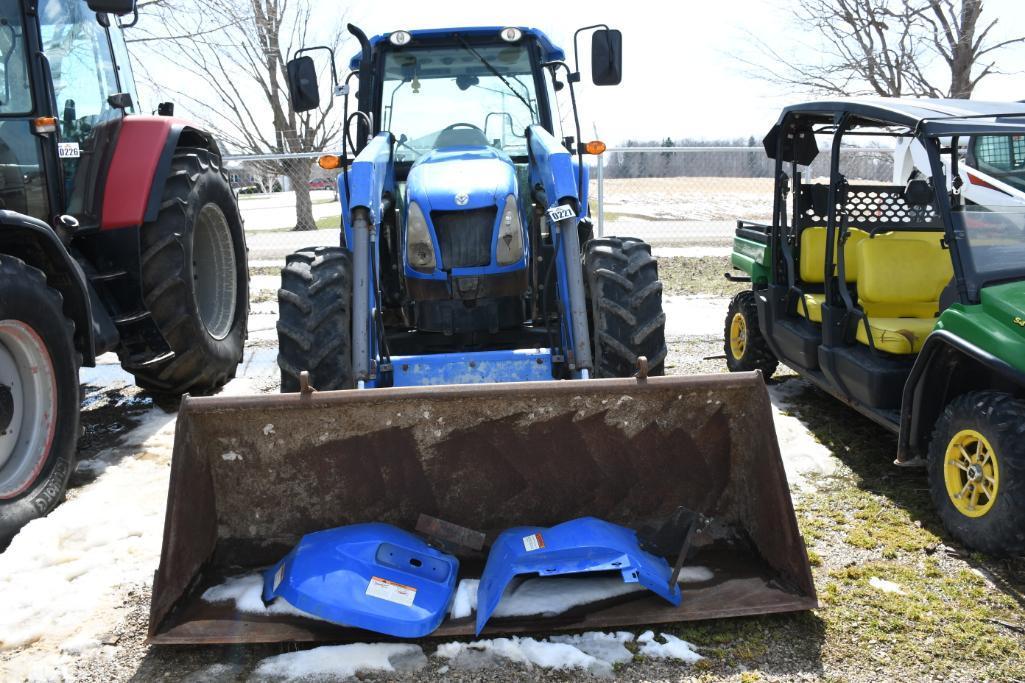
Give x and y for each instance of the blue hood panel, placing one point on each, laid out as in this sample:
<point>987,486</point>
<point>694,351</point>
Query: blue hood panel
<point>581,545</point>
<point>371,576</point>
<point>476,176</point>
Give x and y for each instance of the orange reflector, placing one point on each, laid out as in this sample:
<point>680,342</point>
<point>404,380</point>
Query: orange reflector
<point>595,147</point>
<point>330,162</point>
<point>45,124</point>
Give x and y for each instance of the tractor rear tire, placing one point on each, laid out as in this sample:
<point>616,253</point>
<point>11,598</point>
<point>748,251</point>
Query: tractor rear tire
<point>315,319</point>
<point>625,300</point>
<point>39,397</point>
<point>977,471</point>
<point>743,343</point>
<point>195,279</point>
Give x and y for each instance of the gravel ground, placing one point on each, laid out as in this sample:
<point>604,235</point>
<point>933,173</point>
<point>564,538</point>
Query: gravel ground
<point>951,616</point>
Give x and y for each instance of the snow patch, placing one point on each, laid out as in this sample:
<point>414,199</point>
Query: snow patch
<point>246,592</point>
<point>672,648</point>
<point>230,456</point>
<point>802,453</point>
<point>690,252</point>
<point>268,429</point>
<point>885,586</point>
<point>551,595</point>
<point>79,644</point>
<point>695,316</point>
<point>606,647</point>
<point>486,654</point>
<point>342,661</point>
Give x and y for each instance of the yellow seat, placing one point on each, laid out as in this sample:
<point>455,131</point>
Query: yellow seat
<point>813,302</point>
<point>896,335</point>
<point>813,254</point>
<point>899,286</point>
<point>813,267</point>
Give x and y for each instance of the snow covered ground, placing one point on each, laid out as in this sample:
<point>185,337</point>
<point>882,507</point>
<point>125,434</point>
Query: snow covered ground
<point>66,580</point>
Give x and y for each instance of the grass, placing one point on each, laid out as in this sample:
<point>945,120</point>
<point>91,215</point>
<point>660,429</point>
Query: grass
<point>704,275</point>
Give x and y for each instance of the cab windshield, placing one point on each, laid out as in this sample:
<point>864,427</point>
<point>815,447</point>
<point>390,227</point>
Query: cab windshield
<point>458,96</point>
<point>1001,156</point>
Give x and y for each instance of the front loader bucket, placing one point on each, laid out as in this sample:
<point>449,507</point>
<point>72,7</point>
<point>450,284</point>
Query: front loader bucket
<point>251,475</point>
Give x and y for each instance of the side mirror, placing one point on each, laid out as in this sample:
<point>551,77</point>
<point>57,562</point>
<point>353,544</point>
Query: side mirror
<point>116,7</point>
<point>607,57</point>
<point>303,91</point>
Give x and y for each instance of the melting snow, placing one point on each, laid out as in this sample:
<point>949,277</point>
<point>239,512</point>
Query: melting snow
<point>342,661</point>
<point>802,453</point>
<point>884,585</point>
<point>246,592</point>
<point>552,595</point>
<point>672,648</point>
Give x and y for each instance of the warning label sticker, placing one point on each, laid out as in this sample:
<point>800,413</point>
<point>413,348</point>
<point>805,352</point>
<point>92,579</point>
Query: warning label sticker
<point>278,576</point>
<point>391,591</point>
<point>533,542</point>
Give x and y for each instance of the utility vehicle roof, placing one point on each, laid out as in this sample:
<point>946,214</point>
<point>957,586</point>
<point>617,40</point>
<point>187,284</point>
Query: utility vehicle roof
<point>929,117</point>
<point>550,51</point>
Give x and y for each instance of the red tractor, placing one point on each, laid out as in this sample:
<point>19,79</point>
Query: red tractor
<point>118,232</point>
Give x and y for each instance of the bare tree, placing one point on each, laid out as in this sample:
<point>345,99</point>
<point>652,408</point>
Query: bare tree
<point>886,48</point>
<point>232,56</point>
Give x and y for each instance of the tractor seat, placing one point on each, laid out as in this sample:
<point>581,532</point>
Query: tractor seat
<point>460,137</point>
<point>813,267</point>
<point>899,286</point>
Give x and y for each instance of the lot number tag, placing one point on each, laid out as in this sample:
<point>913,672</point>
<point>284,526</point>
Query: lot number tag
<point>561,213</point>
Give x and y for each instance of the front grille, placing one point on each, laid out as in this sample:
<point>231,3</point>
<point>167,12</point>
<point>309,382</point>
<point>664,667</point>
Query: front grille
<point>464,237</point>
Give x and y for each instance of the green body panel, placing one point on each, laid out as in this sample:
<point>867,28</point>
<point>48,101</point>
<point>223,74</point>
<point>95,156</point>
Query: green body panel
<point>991,325</point>
<point>752,258</point>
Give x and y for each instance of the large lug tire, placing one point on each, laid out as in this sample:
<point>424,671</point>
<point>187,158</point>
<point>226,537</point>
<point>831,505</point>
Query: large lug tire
<point>314,319</point>
<point>38,397</point>
<point>195,279</point>
<point>977,471</point>
<point>743,343</point>
<point>625,301</point>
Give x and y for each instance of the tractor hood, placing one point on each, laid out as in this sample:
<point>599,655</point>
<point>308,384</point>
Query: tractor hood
<point>461,178</point>
<point>1006,304</point>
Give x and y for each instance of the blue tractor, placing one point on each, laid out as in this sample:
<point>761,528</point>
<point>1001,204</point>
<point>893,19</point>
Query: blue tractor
<point>433,369</point>
<point>467,254</point>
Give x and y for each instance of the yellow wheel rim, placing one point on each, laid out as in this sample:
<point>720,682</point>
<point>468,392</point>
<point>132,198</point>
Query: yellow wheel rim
<point>971,473</point>
<point>738,336</point>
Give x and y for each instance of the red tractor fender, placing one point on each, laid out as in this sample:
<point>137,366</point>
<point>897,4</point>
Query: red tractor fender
<point>139,166</point>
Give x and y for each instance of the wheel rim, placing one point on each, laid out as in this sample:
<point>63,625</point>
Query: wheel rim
<point>213,272</point>
<point>738,336</point>
<point>971,473</point>
<point>28,415</point>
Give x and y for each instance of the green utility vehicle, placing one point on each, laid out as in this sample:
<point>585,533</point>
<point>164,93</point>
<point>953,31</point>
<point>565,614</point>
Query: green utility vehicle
<point>907,302</point>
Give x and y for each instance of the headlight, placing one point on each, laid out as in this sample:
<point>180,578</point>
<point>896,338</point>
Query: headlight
<point>419,247</point>
<point>510,234</point>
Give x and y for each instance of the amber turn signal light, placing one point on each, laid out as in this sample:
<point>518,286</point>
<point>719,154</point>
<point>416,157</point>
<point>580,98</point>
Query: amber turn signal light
<point>595,147</point>
<point>45,124</point>
<point>329,162</point>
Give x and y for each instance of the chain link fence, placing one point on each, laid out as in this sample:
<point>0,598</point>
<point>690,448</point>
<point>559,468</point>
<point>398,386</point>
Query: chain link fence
<point>666,195</point>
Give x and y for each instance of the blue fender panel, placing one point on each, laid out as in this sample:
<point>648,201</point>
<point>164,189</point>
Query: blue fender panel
<point>581,545</point>
<point>371,576</point>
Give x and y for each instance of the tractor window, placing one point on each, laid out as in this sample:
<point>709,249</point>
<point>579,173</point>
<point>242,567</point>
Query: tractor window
<point>80,61</point>
<point>1001,156</point>
<point>455,96</point>
<point>15,95</point>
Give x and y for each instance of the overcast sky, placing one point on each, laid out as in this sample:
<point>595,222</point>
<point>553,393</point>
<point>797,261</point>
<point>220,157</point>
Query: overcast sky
<point>681,76</point>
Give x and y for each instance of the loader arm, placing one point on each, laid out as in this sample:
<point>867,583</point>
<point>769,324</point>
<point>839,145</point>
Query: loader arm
<point>552,167</point>
<point>362,212</point>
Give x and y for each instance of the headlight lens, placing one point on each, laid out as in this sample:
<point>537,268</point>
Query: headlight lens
<point>510,234</point>
<point>419,247</point>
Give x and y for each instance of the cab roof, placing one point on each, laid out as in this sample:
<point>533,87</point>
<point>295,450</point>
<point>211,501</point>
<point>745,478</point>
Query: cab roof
<point>551,52</point>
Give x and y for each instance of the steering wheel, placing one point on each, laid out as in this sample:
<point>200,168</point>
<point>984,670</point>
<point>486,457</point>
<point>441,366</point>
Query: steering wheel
<point>457,125</point>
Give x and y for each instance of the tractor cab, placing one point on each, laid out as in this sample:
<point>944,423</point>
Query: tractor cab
<point>458,131</point>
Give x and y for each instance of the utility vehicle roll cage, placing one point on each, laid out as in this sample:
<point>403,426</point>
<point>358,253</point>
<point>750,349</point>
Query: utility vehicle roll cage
<point>937,124</point>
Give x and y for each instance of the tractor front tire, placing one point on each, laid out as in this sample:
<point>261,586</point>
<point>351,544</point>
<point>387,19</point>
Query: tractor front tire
<point>38,397</point>
<point>625,298</point>
<point>743,343</point>
<point>977,471</point>
<point>195,279</point>
<point>314,319</point>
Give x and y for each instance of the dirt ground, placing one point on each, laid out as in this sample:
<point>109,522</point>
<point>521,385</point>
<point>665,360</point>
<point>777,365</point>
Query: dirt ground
<point>899,599</point>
